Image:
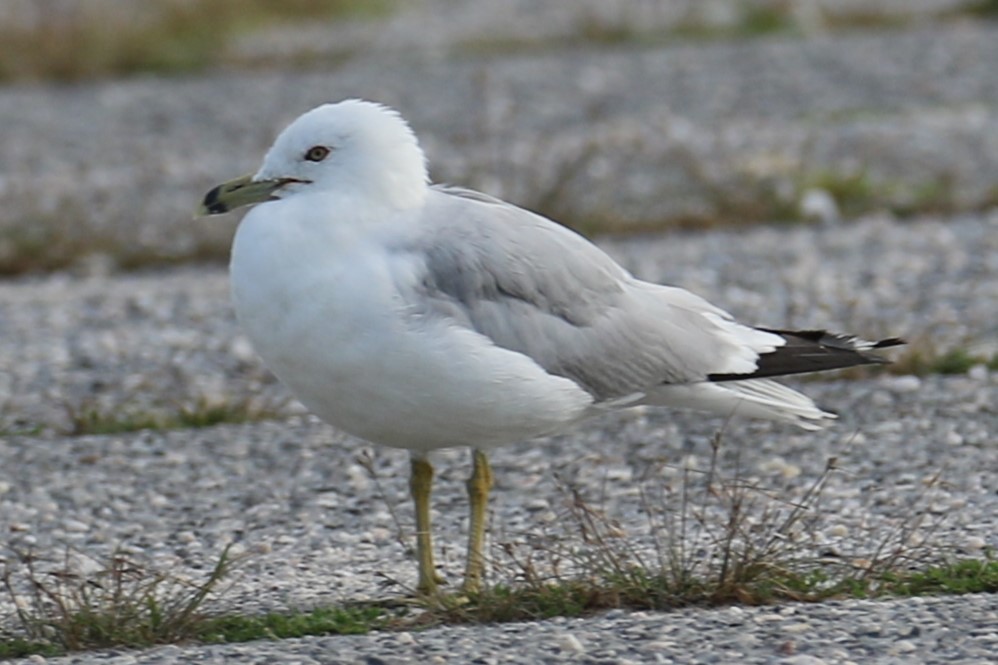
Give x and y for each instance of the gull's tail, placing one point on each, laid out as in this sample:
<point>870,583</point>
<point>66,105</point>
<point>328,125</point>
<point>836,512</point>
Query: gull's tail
<point>813,351</point>
<point>756,396</point>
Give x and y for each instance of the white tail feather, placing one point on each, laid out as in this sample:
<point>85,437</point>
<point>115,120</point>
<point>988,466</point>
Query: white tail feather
<point>756,398</point>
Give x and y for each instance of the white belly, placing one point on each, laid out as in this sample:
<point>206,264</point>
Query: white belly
<point>332,327</point>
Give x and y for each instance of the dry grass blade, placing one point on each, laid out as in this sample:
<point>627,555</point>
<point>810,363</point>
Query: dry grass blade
<point>75,41</point>
<point>118,602</point>
<point>718,537</point>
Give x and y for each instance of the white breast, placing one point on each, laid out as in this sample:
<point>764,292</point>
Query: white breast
<point>321,305</point>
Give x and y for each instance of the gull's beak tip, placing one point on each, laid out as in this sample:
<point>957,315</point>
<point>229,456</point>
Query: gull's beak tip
<point>231,195</point>
<point>212,204</point>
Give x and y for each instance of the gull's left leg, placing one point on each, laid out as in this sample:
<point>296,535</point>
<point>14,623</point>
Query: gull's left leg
<point>479,485</point>
<point>420,483</point>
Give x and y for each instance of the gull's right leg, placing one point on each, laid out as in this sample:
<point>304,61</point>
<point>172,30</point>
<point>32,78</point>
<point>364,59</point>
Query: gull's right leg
<point>479,485</point>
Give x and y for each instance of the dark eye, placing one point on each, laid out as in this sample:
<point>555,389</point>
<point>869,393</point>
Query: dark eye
<point>317,153</point>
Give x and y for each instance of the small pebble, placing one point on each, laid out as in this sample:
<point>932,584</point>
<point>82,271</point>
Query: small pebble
<point>837,531</point>
<point>904,384</point>
<point>570,643</point>
<point>979,373</point>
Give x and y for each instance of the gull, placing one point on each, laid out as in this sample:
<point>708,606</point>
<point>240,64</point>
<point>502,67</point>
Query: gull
<point>424,316</point>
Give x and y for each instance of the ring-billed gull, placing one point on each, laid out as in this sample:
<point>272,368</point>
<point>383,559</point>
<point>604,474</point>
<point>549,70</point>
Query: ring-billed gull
<point>421,316</point>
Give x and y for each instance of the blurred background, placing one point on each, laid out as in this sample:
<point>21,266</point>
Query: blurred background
<point>801,163</point>
<point>609,116</point>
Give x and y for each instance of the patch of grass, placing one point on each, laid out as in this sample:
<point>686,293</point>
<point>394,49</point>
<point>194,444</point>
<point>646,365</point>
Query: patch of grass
<point>89,418</point>
<point>19,428</point>
<point>981,9</point>
<point>923,359</point>
<point>751,22</point>
<point>720,537</point>
<point>640,590</point>
<point>867,19</point>
<point>43,242</point>
<point>857,193</point>
<point>46,242</point>
<point>17,647</point>
<point>206,414</point>
<point>126,604</point>
<point>64,618</point>
<point>854,193</point>
<point>925,197</point>
<point>93,421</point>
<point>967,576</point>
<point>322,621</point>
<point>748,196</point>
<point>595,30</point>
<point>725,539</point>
<point>122,603</point>
<point>757,21</point>
<point>85,41</point>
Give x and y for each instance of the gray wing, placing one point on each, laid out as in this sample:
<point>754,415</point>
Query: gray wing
<point>535,287</point>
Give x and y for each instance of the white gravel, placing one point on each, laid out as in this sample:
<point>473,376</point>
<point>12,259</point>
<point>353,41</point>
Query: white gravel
<point>315,529</point>
<point>134,345</point>
<point>634,133</point>
<point>919,630</point>
<point>630,135</point>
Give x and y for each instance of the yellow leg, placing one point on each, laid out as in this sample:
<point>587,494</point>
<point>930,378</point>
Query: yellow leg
<point>420,483</point>
<point>479,485</point>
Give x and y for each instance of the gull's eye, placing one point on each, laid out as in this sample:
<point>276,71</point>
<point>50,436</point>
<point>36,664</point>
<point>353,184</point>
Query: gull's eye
<point>317,153</point>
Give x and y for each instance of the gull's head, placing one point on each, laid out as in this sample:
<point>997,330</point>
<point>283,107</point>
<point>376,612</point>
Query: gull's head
<point>356,147</point>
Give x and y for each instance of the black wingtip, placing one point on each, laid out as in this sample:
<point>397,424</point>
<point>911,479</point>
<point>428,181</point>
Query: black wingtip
<point>808,351</point>
<point>888,343</point>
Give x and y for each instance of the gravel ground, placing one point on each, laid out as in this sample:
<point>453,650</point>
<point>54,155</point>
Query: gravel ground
<point>630,132</point>
<point>135,345</point>
<point>622,136</point>
<point>316,529</point>
<point>920,630</point>
<point>295,497</point>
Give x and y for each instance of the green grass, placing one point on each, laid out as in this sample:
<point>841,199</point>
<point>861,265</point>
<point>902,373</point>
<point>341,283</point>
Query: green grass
<point>136,615</point>
<point>762,21</point>
<point>857,193</point>
<point>16,647</point>
<point>42,241</point>
<point>168,37</point>
<point>45,242</point>
<point>960,577</point>
<point>983,9</point>
<point>854,193</point>
<point>752,22</point>
<point>591,30</point>
<point>641,591</point>
<point>90,419</point>
<point>922,359</point>
<point>127,604</point>
<point>123,604</point>
<point>753,198</point>
<point>273,626</point>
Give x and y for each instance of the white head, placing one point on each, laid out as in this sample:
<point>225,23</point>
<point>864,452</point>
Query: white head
<point>352,146</point>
